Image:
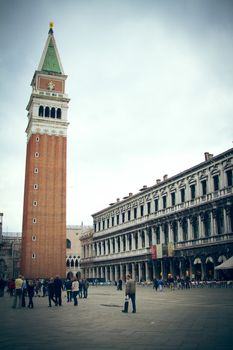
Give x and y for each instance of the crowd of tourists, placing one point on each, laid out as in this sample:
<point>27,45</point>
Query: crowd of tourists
<point>21,289</point>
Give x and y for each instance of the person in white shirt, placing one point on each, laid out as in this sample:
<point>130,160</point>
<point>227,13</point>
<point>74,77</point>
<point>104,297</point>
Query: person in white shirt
<point>75,290</point>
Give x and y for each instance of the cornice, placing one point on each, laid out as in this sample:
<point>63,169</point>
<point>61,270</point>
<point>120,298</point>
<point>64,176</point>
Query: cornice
<point>152,190</point>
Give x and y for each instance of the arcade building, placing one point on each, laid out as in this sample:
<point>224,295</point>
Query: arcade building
<point>181,225</point>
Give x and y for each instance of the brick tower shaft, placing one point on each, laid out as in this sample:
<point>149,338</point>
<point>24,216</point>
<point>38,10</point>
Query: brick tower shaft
<point>44,213</point>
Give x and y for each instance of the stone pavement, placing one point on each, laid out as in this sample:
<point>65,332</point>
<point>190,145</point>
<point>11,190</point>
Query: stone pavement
<point>200,318</point>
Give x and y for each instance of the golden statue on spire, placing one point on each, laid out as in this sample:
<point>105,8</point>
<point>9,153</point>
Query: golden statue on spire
<point>51,25</point>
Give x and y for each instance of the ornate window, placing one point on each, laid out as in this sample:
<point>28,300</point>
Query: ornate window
<point>47,112</point>
<point>52,112</point>
<point>216,182</point>
<point>59,113</point>
<point>193,191</point>
<point>68,244</point>
<point>41,111</point>
<point>229,178</point>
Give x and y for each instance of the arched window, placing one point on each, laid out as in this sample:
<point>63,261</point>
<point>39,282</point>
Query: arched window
<point>53,112</point>
<point>41,111</point>
<point>72,263</point>
<point>76,263</point>
<point>59,113</point>
<point>67,263</point>
<point>68,244</point>
<point>47,112</point>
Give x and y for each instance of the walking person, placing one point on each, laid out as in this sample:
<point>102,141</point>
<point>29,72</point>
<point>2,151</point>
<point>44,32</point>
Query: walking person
<point>130,291</point>
<point>160,284</point>
<point>68,287</point>
<point>58,286</point>
<point>11,286</point>
<point>75,290</point>
<point>30,290</point>
<point>3,284</point>
<point>24,292</point>
<point>155,284</point>
<point>80,288</point>
<point>85,288</point>
<point>51,292</point>
<point>119,286</point>
<point>18,293</point>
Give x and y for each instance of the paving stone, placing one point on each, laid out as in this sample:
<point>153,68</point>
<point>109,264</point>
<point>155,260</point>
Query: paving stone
<point>196,319</point>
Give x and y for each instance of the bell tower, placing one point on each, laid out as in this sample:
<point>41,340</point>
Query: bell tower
<point>44,211</point>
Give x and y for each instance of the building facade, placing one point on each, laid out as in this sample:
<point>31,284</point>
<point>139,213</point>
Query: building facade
<point>10,252</point>
<point>44,213</point>
<point>181,226</point>
<point>74,235</point>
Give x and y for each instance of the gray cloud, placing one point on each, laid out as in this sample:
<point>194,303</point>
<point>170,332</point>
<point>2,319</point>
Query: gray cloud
<point>150,85</point>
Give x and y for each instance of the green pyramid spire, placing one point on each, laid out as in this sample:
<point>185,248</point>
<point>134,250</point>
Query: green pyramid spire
<point>51,61</point>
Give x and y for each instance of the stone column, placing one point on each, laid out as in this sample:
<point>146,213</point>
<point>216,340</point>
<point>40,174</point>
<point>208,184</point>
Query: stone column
<point>162,239</point>
<point>126,243</point>
<point>171,267</point>
<point>147,271</point>
<point>121,271</point>
<point>146,238</point>
<point>213,222</point>
<point>116,273</point>
<point>139,240</point>
<point>190,267</point>
<point>121,244</point>
<point>111,246</point>
<point>97,272</point>
<point>133,241</point>
<point>190,231</point>
<point>106,272</point>
<point>127,269</point>
<point>106,247</point>
<point>101,272</point>
<point>139,271</point>
<point>203,269</point>
<point>102,247</point>
<point>93,252</point>
<point>116,245</point>
<point>180,230</point>
<point>200,225</point>
<point>225,221</point>
<point>111,273</point>
<point>133,271</point>
<point>162,269</point>
<point>227,210</point>
<point>153,230</point>
<point>170,232</point>
<point>97,249</point>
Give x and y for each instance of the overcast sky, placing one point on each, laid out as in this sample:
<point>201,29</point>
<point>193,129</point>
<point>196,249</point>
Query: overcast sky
<point>151,88</point>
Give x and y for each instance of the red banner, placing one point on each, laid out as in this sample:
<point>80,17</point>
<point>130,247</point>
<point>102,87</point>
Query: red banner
<point>153,252</point>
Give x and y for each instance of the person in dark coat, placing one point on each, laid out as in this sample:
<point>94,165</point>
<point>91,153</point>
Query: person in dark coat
<point>85,287</point>
<point>81,287</point>
<point>58,286</point>
<point>68,286</point>
<point>51,292</point>
<point>3,284</point>
<point>155,284</point>
<point>119,286</point>
<point>30,290</point>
